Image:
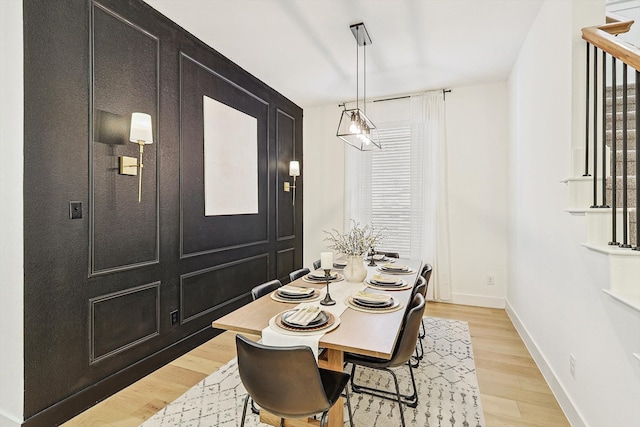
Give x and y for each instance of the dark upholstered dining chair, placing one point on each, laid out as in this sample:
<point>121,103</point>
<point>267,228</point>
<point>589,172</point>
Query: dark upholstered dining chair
<point>265,288</point>
<point>316,264</point>
<point>426,272</point>
<point>287,382</point>
<point>401,356</point>
<point>298,273</point>
<point>420,288</point>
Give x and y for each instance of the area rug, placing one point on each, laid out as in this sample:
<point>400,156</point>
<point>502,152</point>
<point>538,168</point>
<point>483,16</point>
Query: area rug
<point>446,381</point>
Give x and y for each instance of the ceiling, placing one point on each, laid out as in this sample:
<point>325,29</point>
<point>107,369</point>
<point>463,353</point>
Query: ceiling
<point>305,50</point>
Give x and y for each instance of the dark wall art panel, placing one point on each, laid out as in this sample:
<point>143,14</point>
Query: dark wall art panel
<point>123,319</point>
<point>228,230</point>
<point>204,291</point>
<point>285,143</point>
<point>125,80</point>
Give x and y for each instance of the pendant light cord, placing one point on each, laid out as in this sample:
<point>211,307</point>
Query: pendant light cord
<point>357,68</point>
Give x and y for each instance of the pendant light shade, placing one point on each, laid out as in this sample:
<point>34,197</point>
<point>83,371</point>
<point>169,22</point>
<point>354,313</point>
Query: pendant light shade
<point>355,128</point>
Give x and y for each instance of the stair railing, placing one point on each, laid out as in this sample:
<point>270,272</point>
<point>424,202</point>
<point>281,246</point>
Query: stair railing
<point>602,39</point>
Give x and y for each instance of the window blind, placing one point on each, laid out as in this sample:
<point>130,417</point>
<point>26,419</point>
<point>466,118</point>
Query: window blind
<point>391,188</point>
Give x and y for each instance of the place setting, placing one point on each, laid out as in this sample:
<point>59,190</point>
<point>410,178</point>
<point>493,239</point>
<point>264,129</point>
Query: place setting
<point>319,276</point>
<point>387,283</point>
<point>392,268</point>
<point>373,302</point>
<point>304,320</point>
<point>379,258</point>
<point>339,264</point>
<point>295,294</point>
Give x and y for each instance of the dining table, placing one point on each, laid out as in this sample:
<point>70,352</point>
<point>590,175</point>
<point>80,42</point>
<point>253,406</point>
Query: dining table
<point>360,331</point>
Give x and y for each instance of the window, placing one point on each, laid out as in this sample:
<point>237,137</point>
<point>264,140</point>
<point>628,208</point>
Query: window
<point>391,188</point>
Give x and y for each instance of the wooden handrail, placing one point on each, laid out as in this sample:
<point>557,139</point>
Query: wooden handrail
<point>603,36</point>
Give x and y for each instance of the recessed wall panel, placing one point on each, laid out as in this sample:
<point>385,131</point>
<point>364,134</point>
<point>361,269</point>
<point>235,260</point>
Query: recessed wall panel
<point>202,291</point>
<point>286,262</point>
<point>198,82</point>
<point>124,231</point>
<point>285,143</point>
<point>123,319</point>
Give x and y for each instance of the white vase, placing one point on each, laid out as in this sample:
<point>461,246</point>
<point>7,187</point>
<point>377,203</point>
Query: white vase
<point>354,271</point>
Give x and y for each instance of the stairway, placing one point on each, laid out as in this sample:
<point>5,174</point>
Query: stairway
<point>631,153</point>
<point>624,263</point>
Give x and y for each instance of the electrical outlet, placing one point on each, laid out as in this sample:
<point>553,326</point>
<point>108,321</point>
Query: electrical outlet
<point>572,365</point>
<point>490,281</point>
<point>174,317</point>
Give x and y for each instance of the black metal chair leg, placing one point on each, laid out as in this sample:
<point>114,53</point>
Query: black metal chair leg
<point>410,400</point>
<point>395,380</point>
<point>254,409</point>
<point>244,410</point>
<point>349,408</point>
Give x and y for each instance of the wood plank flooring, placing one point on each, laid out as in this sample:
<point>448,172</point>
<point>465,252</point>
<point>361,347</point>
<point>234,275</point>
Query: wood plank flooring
<point>513,391</point>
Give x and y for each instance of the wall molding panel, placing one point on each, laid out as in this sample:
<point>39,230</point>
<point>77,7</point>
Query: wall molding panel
<point>231,231</point>
<point>203,292</point>
<point>123,319</point>
<point>124,234</point>
<point>285,145</point>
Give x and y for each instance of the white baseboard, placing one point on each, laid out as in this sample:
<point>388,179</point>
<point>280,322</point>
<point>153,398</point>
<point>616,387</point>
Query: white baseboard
<point>7,421</point>
<point>565,402</point>
<point>476,300</point>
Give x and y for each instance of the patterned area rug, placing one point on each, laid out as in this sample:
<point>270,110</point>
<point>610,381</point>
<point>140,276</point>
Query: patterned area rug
<point>446,381</point>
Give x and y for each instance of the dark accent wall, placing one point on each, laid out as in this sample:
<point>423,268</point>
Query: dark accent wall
<point>99,289</point>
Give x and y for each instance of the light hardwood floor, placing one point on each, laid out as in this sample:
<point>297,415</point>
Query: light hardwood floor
<point>513,391</point>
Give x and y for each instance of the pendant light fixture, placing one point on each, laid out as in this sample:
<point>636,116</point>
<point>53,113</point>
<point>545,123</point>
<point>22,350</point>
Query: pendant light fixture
<point>355,128</point>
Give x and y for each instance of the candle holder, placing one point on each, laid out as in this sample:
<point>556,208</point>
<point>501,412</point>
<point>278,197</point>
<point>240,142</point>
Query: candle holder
<point>372,252</point>
<point>327,298</point>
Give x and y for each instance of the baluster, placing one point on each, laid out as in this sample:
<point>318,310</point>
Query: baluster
<point>604,127</point>
<point>586,131</point>
<point>637,247</point>
<point>595,128</point>
<point>614,96</point>
<point>625,224</point>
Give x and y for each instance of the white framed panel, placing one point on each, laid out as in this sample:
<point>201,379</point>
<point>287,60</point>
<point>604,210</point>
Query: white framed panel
<point>230,160</point>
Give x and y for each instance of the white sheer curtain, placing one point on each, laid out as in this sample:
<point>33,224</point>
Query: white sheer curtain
<point>430,210</point>
<point>429,236</point>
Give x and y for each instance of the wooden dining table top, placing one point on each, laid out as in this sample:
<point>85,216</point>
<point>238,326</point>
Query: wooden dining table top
<point>365,333</point>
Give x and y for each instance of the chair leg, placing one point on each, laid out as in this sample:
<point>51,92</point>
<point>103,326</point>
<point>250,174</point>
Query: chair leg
<point>419,354</point>
<point>254,409</point>
<point>349,406</point>
<point>410,400</point>
<point>244,410</point>
<point>395,380</point>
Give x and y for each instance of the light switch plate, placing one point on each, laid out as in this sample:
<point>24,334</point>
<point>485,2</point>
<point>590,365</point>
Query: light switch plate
<point>75,210</point>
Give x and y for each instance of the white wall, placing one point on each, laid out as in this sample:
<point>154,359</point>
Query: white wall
<point>477,149</point>
<point>554,291</point>
<point>11,249</point>
<point>322,171</point>
<point>477,138</point>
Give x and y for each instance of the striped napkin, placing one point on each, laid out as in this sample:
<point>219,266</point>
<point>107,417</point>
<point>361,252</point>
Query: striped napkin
<point>304,315</point>
<point>375,298</point>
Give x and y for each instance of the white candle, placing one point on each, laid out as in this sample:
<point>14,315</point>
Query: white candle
<point>326,260</point>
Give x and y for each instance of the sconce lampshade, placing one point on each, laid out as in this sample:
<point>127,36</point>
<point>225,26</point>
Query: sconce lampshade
<point>294,168</point>
<point>141,129</point>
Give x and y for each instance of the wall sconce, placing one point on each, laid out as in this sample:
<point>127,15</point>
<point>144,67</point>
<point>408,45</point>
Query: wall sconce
<point>294,171</point>
<point>141,133</point>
